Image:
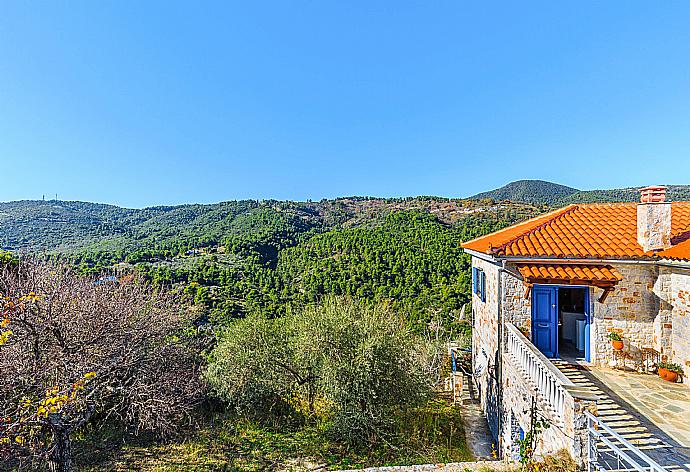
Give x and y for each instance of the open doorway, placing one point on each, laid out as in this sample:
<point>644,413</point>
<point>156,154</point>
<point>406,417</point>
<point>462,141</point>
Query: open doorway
<point>572,321</point>
<point>560,321</point>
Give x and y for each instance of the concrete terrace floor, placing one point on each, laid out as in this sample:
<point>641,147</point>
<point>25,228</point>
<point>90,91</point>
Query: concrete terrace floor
<point>649,412</point>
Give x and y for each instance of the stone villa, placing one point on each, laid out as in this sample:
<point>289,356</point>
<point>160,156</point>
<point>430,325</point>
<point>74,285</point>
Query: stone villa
<point>547,293</point>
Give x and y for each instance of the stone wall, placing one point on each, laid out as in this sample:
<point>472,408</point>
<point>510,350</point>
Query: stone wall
<point>517,398</point>
<point>673,288</point>
<point>632,310</point>
<point>485,343</point>
<point>643,308</point>
<point>516,308</point>
<point>509,406</point>
<point>566,433</point>
<point>479,466</point>
<point>650,307</point>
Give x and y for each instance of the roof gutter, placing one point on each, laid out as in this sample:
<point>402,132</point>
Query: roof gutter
<point>674,264</point>
<point>501,347</point>
<point>552,260</point>
<point>481,255</point>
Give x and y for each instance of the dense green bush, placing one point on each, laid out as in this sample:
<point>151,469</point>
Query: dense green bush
<point>348,365</point>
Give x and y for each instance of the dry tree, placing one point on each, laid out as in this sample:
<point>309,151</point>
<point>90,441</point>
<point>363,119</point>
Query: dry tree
<point>76,349</point>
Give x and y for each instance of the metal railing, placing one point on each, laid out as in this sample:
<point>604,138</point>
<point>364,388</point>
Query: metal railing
<point>622,455</point>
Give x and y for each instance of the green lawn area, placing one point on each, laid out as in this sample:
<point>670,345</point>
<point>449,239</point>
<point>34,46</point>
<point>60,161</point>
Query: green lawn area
<point>428,435</point>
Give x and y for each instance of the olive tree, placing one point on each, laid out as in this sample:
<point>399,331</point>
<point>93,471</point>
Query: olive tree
<point>77,349</point>
<point>360,360</point>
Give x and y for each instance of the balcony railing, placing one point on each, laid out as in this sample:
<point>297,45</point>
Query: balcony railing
<point>609,451</point>
<point>549,382</point>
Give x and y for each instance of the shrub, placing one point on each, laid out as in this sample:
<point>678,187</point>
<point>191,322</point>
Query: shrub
<point>349,364</point>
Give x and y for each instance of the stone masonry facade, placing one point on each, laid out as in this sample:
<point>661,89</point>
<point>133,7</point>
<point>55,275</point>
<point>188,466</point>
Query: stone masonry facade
<point>569,435</point>
<point>631,310</point>
<point>505,395</point>
<point>485,343</point>
<point>650,307</point>
<point>673,289</point>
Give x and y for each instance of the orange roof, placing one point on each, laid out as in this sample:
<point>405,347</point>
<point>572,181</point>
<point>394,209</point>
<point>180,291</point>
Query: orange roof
<point>594,231</point>
<point>594,273</point>
<point>680,251</point>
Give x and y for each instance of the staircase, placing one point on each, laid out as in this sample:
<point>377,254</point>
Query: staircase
<point>627,423</point>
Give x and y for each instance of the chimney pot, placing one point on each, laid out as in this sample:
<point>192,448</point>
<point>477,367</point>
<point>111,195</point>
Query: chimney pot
<point>653,194</point>
<point>654,219</point>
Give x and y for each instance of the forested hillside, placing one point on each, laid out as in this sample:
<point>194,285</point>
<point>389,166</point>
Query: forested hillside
<point>675,193</point>
<point>537,192</point>
<point>237,257</point>
<point>234,258</point>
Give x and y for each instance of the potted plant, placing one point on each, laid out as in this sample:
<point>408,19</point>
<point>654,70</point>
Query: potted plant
<point>616,340</point>
<point>669,371</point>
<point>662,370</point>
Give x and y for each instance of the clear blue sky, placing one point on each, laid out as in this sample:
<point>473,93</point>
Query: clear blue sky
<point>142,103</point>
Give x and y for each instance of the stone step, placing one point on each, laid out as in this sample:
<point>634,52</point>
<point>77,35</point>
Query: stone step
<point>628,424</point>
<point>645,442</point>
<point>606,418</point>
<point>619,424</point>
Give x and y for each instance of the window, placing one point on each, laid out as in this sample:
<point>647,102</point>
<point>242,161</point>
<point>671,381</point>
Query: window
<point>479,283</point>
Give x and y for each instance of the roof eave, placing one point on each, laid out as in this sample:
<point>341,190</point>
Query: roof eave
<point>575,260</point>
<point>480,255</point>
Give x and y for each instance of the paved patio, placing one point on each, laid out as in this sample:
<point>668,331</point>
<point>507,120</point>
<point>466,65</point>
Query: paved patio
<point>665,404</point>
<point>652,414</point>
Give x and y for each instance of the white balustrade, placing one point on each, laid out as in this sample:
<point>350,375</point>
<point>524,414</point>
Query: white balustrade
<point>550,382</point>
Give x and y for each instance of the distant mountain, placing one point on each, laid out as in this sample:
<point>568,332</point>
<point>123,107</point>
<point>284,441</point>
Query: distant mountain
<point>70,227</point>
<point>536,192</point>
<point>675,193</point>
<point>239,257</point>
<point>67,226</point>
<point>540,192</point>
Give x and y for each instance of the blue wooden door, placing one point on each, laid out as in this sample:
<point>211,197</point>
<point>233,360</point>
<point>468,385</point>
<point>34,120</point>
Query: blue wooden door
<point>588,320</point>
<point>545,319</point>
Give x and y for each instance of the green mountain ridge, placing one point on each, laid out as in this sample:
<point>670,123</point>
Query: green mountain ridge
<point>70,226</point>
<point>540,192</point>
<point>237,257</point>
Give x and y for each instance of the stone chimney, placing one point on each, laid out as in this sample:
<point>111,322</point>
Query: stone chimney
<point>654,219</point>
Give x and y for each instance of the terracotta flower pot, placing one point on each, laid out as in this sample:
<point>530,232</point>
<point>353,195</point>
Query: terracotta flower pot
<point>617,345</point>
<point>662,372</point>
<point>670,376</point>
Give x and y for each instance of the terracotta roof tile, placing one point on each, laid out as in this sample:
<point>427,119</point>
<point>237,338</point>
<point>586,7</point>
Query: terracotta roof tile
<point>680,251</point>
<point>595,231</point>
<point>570,272</point>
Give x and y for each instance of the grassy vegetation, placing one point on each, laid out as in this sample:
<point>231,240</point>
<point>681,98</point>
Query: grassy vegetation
<point>430,434</point>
